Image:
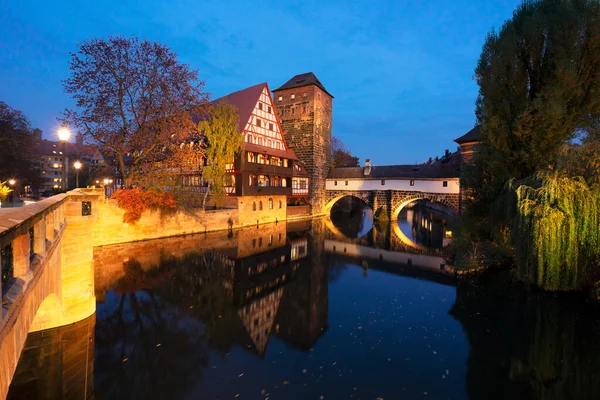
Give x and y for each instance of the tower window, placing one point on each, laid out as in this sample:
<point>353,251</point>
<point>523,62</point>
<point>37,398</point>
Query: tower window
<point>304,109</point>
<point>304,94</point>
<point>412,183</point>
<point>292,110</point>
<point>293,96</point>
<point>445,184</point>
<point>280,98</point>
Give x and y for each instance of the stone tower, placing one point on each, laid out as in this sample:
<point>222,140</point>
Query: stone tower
<point>304,109</point>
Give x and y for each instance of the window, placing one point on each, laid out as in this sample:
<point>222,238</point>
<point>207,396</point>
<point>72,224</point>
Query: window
<point>253,243</point>
<point>280,98</point>
<point>269,109</point>
<point>260,106</point>
<point>346,183</point>
<point>260,209</point>
<point>251,157</point>
<point>270,204</point>
<point>262,159</point>
<point>258,121</point>
<point>260,239</point>
<point>319,96</point>
<point>412,183</point>
<point>334,183</point>
<point>304,94</point>
<point>293,96</point>
<point>270,127</point>
<point>248,138</point>
<point>304,109</point>
<point>270,240</point>
<point>259,141</point>
<point>292,110</point>
<point>252,182</point>
<point>445,184</point>
<point>280,206</point>
<point>285,162</point>
<point>382,182</point>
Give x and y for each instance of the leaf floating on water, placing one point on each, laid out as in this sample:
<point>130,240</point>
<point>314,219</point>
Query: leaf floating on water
<point>125,359</point>
<point>304,371</point>
<point>158,345</point>
<point>240,375</point>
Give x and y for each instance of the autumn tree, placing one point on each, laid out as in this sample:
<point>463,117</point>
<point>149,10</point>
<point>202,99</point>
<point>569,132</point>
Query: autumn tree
<point>16,146</point>
<point>223,140</point>
<point>341,156</point>
<point>539,79</point>
<point>135,101</point>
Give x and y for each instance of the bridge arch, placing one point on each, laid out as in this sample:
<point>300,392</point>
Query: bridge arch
<point>334,198</point>
<point>403,202</point>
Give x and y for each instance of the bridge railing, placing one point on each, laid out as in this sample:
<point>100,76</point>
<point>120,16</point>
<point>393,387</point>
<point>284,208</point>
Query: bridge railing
<point>27,235</point>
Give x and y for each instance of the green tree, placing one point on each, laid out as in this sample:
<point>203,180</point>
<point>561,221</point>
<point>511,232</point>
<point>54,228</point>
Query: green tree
<point>223,140</point>
<point>135,101</point>
<point>538,83</point>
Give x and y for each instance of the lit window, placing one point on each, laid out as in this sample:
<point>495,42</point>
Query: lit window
<point>251,157</point>
<point>280,98</point>
<point>285,162</point>
<point>270,204</point>
<point>445,184</point>
<point>304,94</point>
<point>293,96</point>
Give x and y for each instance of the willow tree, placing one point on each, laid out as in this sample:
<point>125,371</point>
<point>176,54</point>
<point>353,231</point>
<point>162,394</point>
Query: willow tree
<point>223,140</point>
<point>557,232</point>
<point>538,80</point>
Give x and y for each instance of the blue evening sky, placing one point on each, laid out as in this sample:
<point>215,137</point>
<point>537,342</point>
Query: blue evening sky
<point>401,71</point>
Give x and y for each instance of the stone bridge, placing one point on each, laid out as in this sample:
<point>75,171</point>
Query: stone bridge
<point>47,271</point>
<point>391,188</point>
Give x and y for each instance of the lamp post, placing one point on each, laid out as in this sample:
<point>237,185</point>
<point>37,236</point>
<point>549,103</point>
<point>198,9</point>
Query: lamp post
<point>63,136</point>
<point>77,166</point>
<point>11,183</point>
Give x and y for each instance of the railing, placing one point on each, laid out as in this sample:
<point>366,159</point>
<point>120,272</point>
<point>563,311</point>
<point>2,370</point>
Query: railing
<point>300,191</point>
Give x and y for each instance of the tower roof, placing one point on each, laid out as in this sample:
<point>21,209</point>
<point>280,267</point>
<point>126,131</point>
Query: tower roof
<point>473,135</point>
<point>301,80</point>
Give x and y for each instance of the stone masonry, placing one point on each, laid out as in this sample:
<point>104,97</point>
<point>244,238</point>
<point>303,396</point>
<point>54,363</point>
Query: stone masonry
<point>305,116</point>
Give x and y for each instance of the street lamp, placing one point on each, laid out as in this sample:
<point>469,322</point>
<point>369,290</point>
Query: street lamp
<point>63,136</point>
<point>12,182</point>
<point>77,166</point>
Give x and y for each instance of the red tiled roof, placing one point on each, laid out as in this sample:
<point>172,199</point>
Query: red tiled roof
<point>244,100</point>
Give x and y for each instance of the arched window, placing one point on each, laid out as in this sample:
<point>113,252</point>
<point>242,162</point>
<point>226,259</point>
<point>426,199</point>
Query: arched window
<point>270,204</point>
<point>260,205</point>
<point>280,204</point>
<point>253,206</point>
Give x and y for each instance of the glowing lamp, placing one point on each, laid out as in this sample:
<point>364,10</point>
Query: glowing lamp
<point>77,165</point>
<point>12,182</point>
<point>64,134</point>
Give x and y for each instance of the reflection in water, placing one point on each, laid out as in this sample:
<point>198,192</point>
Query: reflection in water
<point>352,216</point>
<point>423,225</point>
<point>279,312</point>
<point>57,364</point>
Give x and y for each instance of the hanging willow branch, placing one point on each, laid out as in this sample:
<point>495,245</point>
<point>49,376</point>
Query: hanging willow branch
<point>557,232</point>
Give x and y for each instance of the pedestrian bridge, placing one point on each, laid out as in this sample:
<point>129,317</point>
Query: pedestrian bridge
<point>47,271</point>
<point>392,187</point>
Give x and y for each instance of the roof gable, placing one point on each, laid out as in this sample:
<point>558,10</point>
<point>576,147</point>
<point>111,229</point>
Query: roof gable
<point>301,80</point>
<point>244,100</point>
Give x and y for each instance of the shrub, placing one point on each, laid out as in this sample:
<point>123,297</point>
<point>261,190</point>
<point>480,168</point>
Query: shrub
<point>136,201</point>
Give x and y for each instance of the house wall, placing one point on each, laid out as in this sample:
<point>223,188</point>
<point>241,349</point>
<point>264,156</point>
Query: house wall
<point>420,185</point>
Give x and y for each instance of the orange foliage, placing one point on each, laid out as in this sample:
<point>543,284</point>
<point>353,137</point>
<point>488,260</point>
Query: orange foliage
<point>136,201</point>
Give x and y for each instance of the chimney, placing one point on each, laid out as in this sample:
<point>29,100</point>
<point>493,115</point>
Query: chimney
<point>447,153</point>
<point>367,170</point>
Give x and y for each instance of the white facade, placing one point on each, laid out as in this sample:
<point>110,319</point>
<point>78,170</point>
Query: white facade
<point>263,127</point>
<point>441,186</point>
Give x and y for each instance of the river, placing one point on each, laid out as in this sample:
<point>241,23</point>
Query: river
<point>327,309</point>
